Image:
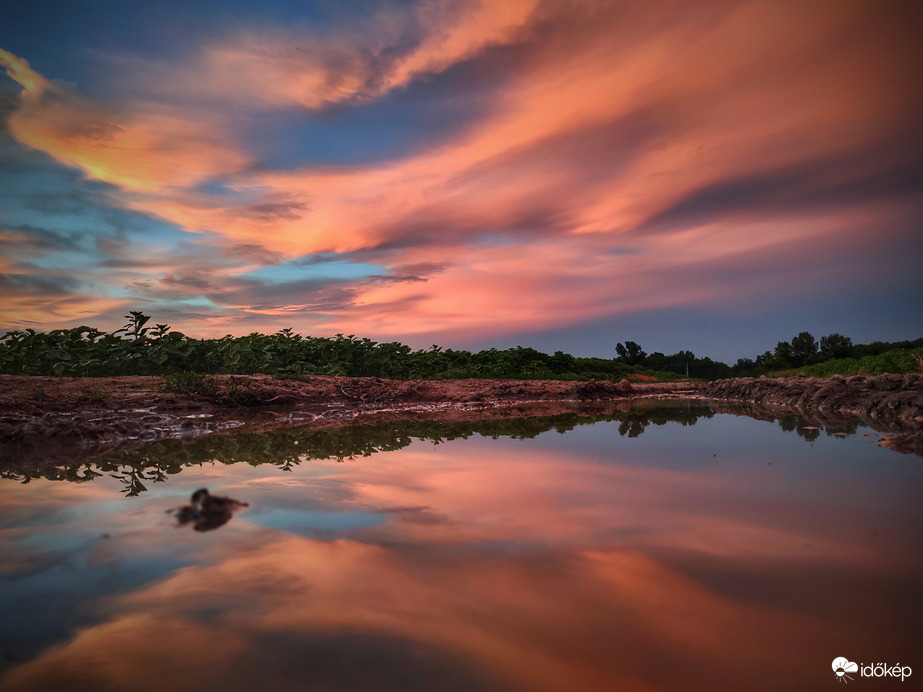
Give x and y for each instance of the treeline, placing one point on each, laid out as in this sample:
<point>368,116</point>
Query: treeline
<point>834,353</point>
<point>681,363</point>
<point>137,349</point>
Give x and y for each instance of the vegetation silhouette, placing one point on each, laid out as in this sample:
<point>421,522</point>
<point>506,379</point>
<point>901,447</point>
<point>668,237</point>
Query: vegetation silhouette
<point>137,349</point>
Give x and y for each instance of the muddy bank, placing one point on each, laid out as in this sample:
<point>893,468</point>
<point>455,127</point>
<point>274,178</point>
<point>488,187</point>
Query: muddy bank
<point>77,418</point>
<point>891,404</point>
<point>54,419</point>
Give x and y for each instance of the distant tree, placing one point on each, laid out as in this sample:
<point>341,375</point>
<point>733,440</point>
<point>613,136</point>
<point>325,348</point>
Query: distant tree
<point>745,367</point>
<point>708,368</point>
<point>630,353</point>
<point>782,357</point>
<point>763,360</point>
<point>656,360</point>
<point>682,357</point>
<point>562,362</point>
<point>835,346</point>
<point>804,349</point>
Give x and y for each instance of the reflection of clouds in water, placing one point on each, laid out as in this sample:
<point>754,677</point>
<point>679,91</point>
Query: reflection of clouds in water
<point>560,621</point>
<point>532,498</point>
<point>480,564</point>
<point>312,523</point>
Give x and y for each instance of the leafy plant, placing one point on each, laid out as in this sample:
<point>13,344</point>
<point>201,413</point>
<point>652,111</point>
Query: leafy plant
<point>138,349</point>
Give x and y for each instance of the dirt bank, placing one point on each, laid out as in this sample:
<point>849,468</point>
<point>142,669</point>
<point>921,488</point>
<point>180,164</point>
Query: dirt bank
<point>76,418</point>
<point>61,418</point>
<point>891,404</point>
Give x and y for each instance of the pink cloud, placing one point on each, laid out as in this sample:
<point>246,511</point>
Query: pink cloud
<point>147,149</point>
<point>354,63</point>
<point>613,119</point>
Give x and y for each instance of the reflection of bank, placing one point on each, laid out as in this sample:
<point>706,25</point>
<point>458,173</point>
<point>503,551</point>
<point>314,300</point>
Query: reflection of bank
<point>289,448</point>
<point>842,666</point>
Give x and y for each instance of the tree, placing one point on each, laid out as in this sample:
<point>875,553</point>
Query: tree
<point>835,346</point>
<point>782,357</point>
<point>682,357</point>
<point>630,353</point>
<point>655,360</point>
<point>746,367</point>
<point>804,349</point>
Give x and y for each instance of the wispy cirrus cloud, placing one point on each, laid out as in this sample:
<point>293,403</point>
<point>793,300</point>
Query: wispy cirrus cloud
<point>352,62</point>
<point>621,158</point>
<point>144,149</point>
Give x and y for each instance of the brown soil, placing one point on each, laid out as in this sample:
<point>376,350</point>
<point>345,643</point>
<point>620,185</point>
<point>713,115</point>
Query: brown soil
<point>75,418</point>
<point>43,418</point>
<point>891,404</point>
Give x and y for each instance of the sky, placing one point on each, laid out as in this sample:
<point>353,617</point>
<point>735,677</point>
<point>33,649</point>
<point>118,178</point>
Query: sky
<point>714,176</point>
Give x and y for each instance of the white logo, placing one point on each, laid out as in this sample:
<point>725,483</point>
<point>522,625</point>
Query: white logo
<point>841,666</point>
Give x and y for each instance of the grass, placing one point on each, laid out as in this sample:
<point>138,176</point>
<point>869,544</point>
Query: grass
<point>898,361</point>
<point>189,382</point>
<point>93,395</point>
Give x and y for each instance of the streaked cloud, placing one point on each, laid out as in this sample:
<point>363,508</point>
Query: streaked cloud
<point>145,150</point>
<point>357,60</point>
<point>621,158</point>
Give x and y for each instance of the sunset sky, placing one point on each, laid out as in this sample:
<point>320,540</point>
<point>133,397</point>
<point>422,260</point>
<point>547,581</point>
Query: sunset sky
<point>711,175</point>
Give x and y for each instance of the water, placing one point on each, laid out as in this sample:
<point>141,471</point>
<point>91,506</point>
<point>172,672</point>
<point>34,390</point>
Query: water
<point>656,551</point>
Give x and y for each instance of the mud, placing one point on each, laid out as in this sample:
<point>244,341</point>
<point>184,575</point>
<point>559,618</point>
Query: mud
<point>57,419</point>
<point>890,404</point>
<point>71,419</point>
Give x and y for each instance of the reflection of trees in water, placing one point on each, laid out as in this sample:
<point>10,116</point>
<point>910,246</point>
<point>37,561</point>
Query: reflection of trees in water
<point>810,432</point>
<point>286,449</point>
<point>633,424</point>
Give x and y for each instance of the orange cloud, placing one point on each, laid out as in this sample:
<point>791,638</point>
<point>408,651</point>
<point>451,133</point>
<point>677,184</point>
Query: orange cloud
<point>19,70</point>
<point>353,64</point>
<point>147,150</point>
<point>453,36</point>
<point>614,123</point>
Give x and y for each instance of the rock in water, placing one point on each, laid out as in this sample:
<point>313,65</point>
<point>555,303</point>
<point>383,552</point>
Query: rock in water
<point>206,511</point>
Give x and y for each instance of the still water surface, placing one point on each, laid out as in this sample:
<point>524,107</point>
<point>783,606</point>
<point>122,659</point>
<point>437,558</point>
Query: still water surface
<point>658,551</point>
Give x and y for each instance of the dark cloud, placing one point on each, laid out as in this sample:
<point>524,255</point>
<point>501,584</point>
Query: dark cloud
<point>422,269</point>
<point>61,203</point>
<point>37,285</point>
<point>25,238</point>
<point>290,296</point>
<point>579,157</point>
<point>193,284</point>
<point>322,258</point>
<point>9,102</point>
<point>275,211</point>
<point>122,263</point>
<point>410,272</point>
<point>254,253</point>
<point>878,174</point>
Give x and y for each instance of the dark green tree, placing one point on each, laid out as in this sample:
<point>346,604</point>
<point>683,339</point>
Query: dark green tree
<point>630,353</point>
<point>835,346</point>
<point>746,367</point>
<point>804,349</point>
<point>782,357</point>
